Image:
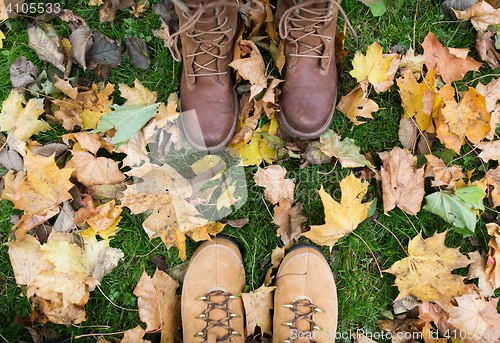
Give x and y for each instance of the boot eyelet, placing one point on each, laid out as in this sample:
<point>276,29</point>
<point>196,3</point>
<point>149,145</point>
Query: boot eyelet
<point>329,39</point>
<point>230,27</point>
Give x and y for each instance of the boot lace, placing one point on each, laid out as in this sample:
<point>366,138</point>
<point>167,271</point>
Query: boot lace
<point>292,22</point>
<point>298,315</point>
<point>194,15</point>
<point>225,322</point>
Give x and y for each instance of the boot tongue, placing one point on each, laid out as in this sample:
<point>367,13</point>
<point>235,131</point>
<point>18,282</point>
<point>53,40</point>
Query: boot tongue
<point>320,9</point>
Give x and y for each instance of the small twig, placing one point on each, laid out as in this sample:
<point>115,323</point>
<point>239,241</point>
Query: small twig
<point>392,233</point>
<point>380,270</point>
<point>100,334</point>
<point>446,21</point>
<point>484,168</point>
<point>123,308</point>
<point>262,195</point>
<point>150,251</point>
<point>491,209</point>
<point>4,338</point>
<point>90,326</point>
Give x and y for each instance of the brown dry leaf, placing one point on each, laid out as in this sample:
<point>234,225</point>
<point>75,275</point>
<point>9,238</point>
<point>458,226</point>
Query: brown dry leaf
<point>88,141</point>
<point>258,305</point>
<point>54,312</point>
<point>474,315</point>
<point>134,336</point>
<point>27,261</point>
<point>246,123</point>
<point>106,216</point>
<point>356,104</point>
<point>444,175</point>
<point>492,178</point>
<point>276,256</point>
<point>478,270</point>
<point>251,68</point>
<point>492,269</point>
<point>485,45</point>
<point>468,118</point>
<point>109,8</point>
<point>426,272</point>
<point>40,194</point>
<point>139,95</point>
<point>135,147</point>
<point>341,218</point>
<point>403,186</point>
<point>391,72</point>
<point>273,179</point>
<point>481,15</point>
<point>278,54</point>
<point>491,93</point>
<point>491,150</point>
<point>445,60</point>
<point>159,306</point>
<point>413,63</point>
<point>340,52</point>
<point>289,219</point>
<point>91,170</point>
<point>21,122</point>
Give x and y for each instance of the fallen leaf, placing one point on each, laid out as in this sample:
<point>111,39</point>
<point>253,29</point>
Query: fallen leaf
<point>159,306</point>
<point>105,51</point>
<point>273,179</point>
<point>413,63</point>
<point>393,68</point>
<point>23,72</point>
<point>91,170</point>
<point>478,270</point>
<point>257,150</point>
<point>134,336</point>
<point>45,46</point>
<point>289,219</point>
<point>493,258</point>
<point>346,151</point>
<point>374,66</point>
<point>109,8</point>
<point>251,68</point>
<point>139,95</point>
<point>426,272</point>
<point>445,60</point>
<point>491,93</point>
<point>11,159</point>
<point>66,219</point>
<point>258,305</point>
<point>485,45</point>
<point>137,52</point>
<point>276,257</point>
<point>81,42</point>
<point>481,15</point>
<point>21,122</point>
<point>341,218</point>
<point>444,175</point>
<point>356,104</point>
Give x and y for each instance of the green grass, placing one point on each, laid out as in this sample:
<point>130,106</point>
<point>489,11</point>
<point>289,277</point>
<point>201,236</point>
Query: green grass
<point>362,293</point>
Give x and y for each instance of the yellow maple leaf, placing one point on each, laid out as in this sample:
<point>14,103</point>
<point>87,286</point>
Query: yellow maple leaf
<point>257,150</point>
<point>356,104</point>
<point>21,123</point>
<point>341,218</point>
<point>139,95</point>
<point>426,272</point>
<point>373,66</point>
<point>2,37</point>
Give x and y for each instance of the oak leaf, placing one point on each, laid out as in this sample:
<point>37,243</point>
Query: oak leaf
<point>374,66</point>
<point>159,305</point>
<point>426,272</point>
<point>21,123</point>
<point>258,305</point>
<point>481,15</point>
<point>341,218</point>
<point>273,179</point>
<point>91,170</point>
<point>450,64</point>
<point>356,104</point>
<point>403,186</point>
<point>289,219</point>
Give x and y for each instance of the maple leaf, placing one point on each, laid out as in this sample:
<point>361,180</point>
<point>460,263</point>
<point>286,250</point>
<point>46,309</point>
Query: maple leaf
<point>46,186</point>
<point>134,335</point>
<point>87,141</point>
<point>21,123</point>
<point>55,312</point>
<point>289,219</point>
<point>478,270</point>
<point>402,185</point>
<point>346,151</point>
<point>104,220</point>
<point>257,150</point>
<point>276,257</point>
<point>356,104</point>
<point>468,118</point>
<point>491,93</point>
<point>426,272</point>
<point>374,66</point>
<point>341,218</point>
<point>139,95</point>
<point>413,63</point>
<point>251,68</point>
<point>443,175</point>
<point>159,306</point>
<point>481,15</point>
<point>474,315</point>
<point>258,305</point>
<point>91,170</point>
<point>450,64</point>
<point>273,179</point>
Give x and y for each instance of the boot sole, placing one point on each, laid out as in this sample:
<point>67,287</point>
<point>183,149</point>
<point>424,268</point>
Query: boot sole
<point>225,142</point>
<point>306,135</point>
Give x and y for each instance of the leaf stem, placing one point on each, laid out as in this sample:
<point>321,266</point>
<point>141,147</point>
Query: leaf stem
<point>376,262</point>
<point>123,308</point>
<point>392,233</point>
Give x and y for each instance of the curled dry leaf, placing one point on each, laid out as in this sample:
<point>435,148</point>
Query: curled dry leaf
<point>481,15</point>
<point>258,305</point>
<point>276,256</point>
<point>81,42</point>
<point>273,179</point>
<point>356,104</point>
<point>251,68</point>
<point>492,269</point>
<point>137,52</point>
<point>485,45</point>
<point>289,219</point>
<point>477,269</point>
<point>450,64</point>
<point>402,185</point>
<point>46,45</point>
<point>341,218</point>
<point>444,175</point>
<point>426,272</point>
<point>23,72</point>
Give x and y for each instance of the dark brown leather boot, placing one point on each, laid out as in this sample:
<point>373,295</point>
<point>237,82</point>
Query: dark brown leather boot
<point>309,92</point>
<point>208,101</point>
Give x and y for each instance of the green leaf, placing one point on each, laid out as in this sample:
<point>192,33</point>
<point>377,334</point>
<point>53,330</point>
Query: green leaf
<point>346,151</point>
<point>127,120</point>
<point>452,209</point>
<point>472,195</point>
<point>378,8</point>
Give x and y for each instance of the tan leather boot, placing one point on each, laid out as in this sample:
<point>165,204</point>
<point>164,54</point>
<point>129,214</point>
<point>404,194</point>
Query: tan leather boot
<point>212,309</point>
<point>305,300</point>
<point>207,33</point>
<point>309,92</point>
